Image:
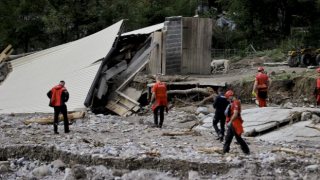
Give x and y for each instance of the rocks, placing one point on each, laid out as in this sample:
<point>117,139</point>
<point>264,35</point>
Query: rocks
<point>20,160</point>
<point>292,174</point>
<point>78,171</point>
<point>203,110</point>
<point>191,117</point>
<point>315,119</point>
<point>6,163</point>
<point>58,164</point>
<point>273,73</point>
<point>68,174</point>
<point>3,169</point>
<point>312,168</point>
<point>193,175</point>
<point>41,171</point>
<point>119,172</point>
<point>305,116</point>
<point>146,175</point>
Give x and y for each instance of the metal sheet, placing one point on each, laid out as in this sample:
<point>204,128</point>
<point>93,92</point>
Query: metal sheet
<point>24,90</point>
<point>146,30</point>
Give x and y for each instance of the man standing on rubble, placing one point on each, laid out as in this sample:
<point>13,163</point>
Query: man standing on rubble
<point>58,96</point>
<point>317,89</point>
<point>159,93</point>
<point>260,87</point>
<point>220,103</point>
<point>234,124</point>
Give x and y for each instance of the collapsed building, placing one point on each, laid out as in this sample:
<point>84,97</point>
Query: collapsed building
<point>98,69</point>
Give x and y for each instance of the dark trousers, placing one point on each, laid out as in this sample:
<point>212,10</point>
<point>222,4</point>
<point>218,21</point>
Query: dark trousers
<point>219,118</point>
<point>63,111</point>
<point>155,115</point>
<point>230,133</point>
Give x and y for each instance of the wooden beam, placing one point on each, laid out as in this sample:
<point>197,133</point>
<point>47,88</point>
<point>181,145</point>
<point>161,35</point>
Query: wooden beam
<point>7,56</point>
<point>75,115</point>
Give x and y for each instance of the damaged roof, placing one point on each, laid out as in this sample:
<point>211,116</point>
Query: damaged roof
<point>24,90</point>
<point>146,30</point>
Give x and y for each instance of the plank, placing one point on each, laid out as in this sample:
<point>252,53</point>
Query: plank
<point>163,51</point>
<point>200,43</point>
<point>185,56</point>
<point>132,92</point>
<point>193,65</point>
<point>142,58</point>
<point>206,46</point>
<point>154,66</point>
<point>103,87</point>
<point>7,56</point>
<point>127,54</point>
<point>6,49</point>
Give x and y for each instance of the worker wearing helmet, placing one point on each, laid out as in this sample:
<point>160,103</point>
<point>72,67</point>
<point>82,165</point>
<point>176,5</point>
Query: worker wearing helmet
<point>260,87</point>
<point>317,90</point>
<point>234,124</point>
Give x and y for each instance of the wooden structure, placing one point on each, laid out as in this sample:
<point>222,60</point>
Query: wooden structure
<point>184,46</point>
<point>3,55</point>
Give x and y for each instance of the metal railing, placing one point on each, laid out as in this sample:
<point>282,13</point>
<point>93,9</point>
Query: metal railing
<point>223,53</point>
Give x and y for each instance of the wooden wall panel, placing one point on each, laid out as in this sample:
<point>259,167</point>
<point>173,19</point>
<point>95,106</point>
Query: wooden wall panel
<point>186,45</point>
<point>207,41</point>
<point>163,51</point>
<point>154,66</point>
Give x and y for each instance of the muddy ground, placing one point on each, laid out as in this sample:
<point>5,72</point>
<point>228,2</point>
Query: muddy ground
<point>113,147</point>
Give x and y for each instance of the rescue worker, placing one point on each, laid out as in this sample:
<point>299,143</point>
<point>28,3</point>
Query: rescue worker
<point>317,89</point>
<point>260,87</point>
<point>234,124</point>
<point>220,103</point>
<point>159,93</point>
<point>58,96</point>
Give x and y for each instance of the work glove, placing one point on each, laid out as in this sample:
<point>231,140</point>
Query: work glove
<point>253,93</point>
<point>229,124</point>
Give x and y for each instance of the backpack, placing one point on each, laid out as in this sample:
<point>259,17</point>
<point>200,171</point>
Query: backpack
<point>227,112</point>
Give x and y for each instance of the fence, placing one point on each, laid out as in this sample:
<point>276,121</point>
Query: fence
<point>226,53</point>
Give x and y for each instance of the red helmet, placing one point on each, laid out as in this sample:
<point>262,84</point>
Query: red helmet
<point>229,93</point>
<point>260,69</point>
<point>318,70</point>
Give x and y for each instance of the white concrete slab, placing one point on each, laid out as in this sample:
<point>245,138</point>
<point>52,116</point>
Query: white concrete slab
<point>260,119</point>
<point>293,132</point>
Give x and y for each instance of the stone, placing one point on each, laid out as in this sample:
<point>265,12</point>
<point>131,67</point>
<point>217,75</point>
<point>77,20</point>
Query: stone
<point>292,174</point>
<point>68,174</point>
<point>191,117</point>
<point>305,116</point>
<point>315,118</point>
<point>229,159</point>
<point>3,169</point>
<point>20,160</point>
<point>202,110</point>
<point>58,164</point>
<point>293,72</point>
<point>12,166</point>
<point>273,73</point>
<point>78,171</point>
<point>41,171</point>
<point>193,175</point>
<point>312,168</point>
<point>305,99</point>
<point>119,172</point>
<point>6,163</point>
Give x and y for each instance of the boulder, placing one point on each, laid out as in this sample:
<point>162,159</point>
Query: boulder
<point>193,175</point>
<point>3,169</point>
<point>58,164</point>
<point>315,118</point>
<point>312,168</point>
<point>305,116</point>
<point>202,110</point>
<point>78,171</point>
<point>41,171</point>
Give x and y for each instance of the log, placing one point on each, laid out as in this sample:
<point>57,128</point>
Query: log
<point>182,133</point>
<point>202,91</point>
<point>170,78</point>
<point>291,152</point>
<point>207,99</point>
<point>127,47</point>
<point>218,150</point>
<point>308,136</point>
<point>180,101</point>
<point>313,127</point>
<point>75,115</point>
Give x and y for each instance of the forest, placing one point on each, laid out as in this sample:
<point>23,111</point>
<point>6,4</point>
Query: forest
<point>33,25</point>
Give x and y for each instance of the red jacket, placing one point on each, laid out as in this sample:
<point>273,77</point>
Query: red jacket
<point>58,96</point>
<point>161,95</point>
<point>237,123</point>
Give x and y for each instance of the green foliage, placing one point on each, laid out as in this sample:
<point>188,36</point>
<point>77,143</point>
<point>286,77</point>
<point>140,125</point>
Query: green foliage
<point>31,25</point>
